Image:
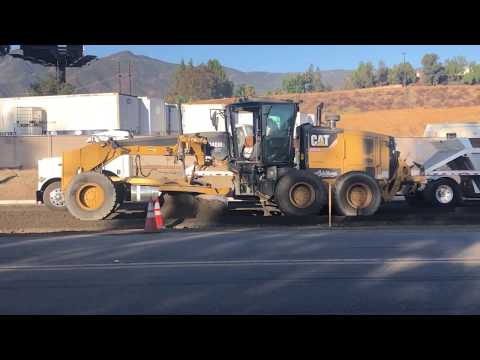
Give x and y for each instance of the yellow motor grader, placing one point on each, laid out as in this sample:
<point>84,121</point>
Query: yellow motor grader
<point>268,159</point>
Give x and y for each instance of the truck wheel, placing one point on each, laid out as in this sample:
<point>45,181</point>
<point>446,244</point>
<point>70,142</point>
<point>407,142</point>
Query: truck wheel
<point>91,196</point>
<point>442,193</point>
<point>357,193</point>
<point>53,197</point>
<point>299,193</point>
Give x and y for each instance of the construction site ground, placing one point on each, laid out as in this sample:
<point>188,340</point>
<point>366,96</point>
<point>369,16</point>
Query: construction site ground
<point>37,219</point>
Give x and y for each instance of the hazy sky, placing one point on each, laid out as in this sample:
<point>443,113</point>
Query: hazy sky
<point>284,58</point>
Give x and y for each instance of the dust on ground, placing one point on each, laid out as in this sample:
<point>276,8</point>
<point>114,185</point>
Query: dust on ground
<point>18,184</point>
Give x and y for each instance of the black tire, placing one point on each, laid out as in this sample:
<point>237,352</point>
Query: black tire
<point>300,193</point>
<point>77,189</point>
<point>357,193</point>
<point>433,193</point>
<point>53,197</point>
<point>120,193</point>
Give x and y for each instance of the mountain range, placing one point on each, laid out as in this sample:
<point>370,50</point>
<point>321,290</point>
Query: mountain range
<point>149,76</point>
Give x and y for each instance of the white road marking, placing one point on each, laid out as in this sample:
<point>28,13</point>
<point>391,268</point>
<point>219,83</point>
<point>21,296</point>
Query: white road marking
<point>285,262</point>
<point>18,202</point>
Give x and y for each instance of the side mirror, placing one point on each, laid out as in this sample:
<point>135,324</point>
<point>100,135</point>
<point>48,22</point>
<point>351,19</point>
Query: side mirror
<point>214,119</point>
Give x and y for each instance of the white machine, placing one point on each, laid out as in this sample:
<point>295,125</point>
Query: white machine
<point>447,170</point>
<point>453,130</point>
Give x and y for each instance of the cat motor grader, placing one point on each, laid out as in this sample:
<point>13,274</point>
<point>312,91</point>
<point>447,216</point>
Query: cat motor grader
<point>284,168</point>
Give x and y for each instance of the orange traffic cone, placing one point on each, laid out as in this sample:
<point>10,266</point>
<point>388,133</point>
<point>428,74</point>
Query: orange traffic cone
<point>158,216</point>
<point>149,221</point>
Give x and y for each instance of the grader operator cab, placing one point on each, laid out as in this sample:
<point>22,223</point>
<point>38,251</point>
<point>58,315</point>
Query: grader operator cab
<point>286,169</point>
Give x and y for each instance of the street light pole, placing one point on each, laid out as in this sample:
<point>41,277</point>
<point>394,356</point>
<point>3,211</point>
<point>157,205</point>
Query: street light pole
<point>404,72</point>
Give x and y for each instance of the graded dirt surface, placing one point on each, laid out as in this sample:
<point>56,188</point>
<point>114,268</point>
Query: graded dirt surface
<point>39,219</point>
<point>18,184</point>
<point>23,219</point>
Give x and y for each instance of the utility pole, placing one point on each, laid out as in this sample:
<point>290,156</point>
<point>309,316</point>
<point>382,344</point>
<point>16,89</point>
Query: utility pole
<point>133,81</point>
<point>119,79</point>
<point>404,72</point>
<point>129,78</point>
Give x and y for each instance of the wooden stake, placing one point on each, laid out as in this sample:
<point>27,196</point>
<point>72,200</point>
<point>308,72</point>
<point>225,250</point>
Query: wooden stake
<point>329,205</point>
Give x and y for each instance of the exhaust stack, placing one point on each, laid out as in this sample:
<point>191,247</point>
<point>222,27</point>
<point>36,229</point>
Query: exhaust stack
<point>319,114</point>
<point>332,120</point>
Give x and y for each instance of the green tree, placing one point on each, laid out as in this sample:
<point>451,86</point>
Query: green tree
<point>308,81</point>
<point>362,77</point>
<point>381,75</point>
<point>317,83</point>
<point>455,68</point>
<point>472,77</point>
<point>50,86</point>
<point>433,71</point>
<point>199,82</point>
<point>245,91</point>
<point>397,73</point>
<point>222,86</point>
<point>182,66</point>
<point>294,83</point>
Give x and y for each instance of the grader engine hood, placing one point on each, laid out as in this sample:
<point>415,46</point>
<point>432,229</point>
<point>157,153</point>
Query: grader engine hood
<point>316,140</point>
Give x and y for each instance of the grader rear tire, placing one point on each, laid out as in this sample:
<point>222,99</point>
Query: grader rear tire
<point>300,193</point>
<point>91,196</point>
<point>357,193</point>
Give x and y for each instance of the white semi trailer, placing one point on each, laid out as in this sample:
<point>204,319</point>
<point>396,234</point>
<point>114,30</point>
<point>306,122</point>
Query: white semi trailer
<point>86,114</point>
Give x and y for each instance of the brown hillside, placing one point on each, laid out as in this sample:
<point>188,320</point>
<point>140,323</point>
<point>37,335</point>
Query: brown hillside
<point>407,122</point>
<point>383,98</point>
<point>393,110</point>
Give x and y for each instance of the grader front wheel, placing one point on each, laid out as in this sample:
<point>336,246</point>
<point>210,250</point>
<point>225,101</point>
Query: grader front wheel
<point>91,196</point>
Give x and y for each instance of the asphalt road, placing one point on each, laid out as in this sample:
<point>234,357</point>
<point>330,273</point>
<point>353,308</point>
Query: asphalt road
<point>267,270</point>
